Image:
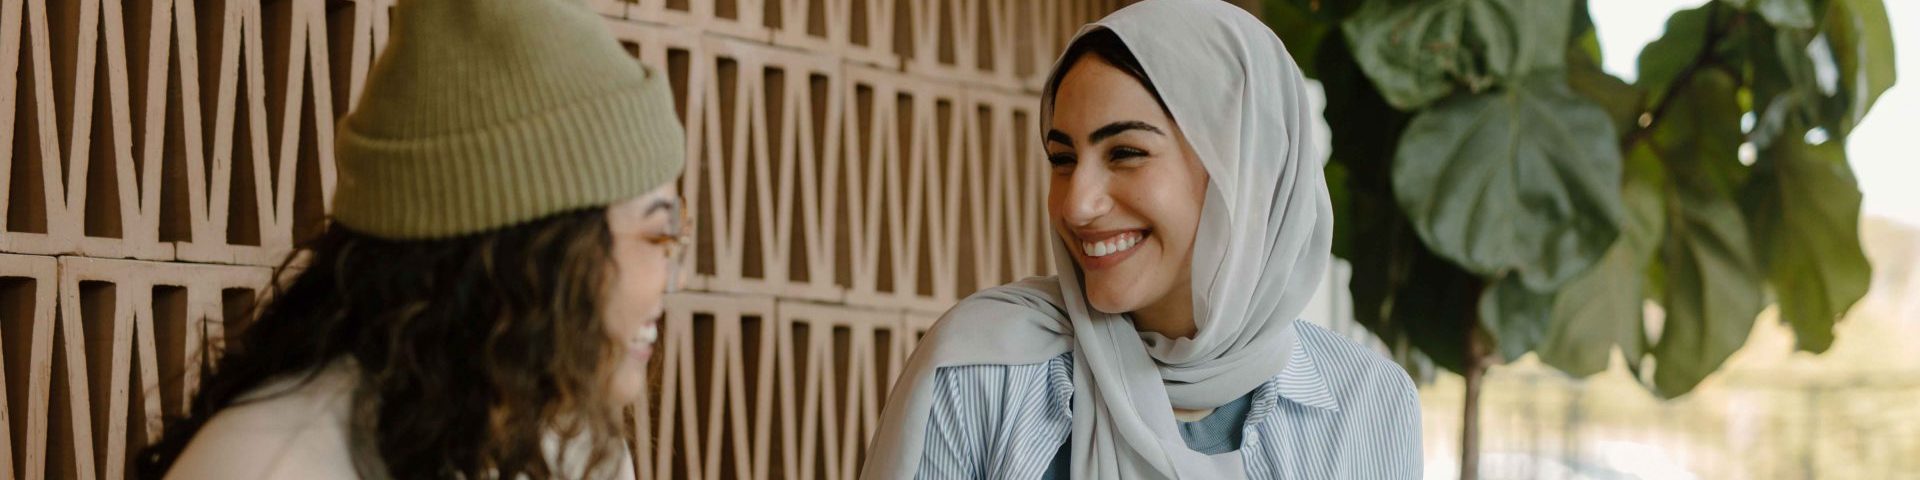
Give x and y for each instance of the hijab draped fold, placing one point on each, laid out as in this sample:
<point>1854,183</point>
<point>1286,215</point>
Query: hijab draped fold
<point>1261,249</point>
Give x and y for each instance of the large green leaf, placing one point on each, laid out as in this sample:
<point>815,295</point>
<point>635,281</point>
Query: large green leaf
<point>1805,209</point>
<point>1862,46</point>
<point>1582,36</point>
<point>1667,57</point>
<point>1602,307</point>
<point>1621,101</point>
<point>1524,181</point>
<point>1418,52</point>
<point>1712,288</point>
<point>1705,276</point>
<point>1787,97</point>
<point>1699,133</point>
<point>1514,317</point>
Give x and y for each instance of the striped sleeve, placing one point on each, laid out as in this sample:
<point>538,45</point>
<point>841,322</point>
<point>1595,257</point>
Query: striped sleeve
<point>1394,427</point>
<point>953,448</point>
<point>996,421</point>
<point>1373,431</point>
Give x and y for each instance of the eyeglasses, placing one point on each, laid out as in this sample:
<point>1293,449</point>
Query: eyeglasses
<point>675,243</point>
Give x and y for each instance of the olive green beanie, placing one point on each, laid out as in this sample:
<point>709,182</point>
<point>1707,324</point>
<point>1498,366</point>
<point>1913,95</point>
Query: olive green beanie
<point>482,114</point>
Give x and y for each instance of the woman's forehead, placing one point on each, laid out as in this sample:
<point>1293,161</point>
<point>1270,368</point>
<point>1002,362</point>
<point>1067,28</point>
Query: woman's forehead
<point>1094,93</point>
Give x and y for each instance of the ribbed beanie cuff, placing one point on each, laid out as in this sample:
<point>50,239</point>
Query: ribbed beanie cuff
<point>601,150</point>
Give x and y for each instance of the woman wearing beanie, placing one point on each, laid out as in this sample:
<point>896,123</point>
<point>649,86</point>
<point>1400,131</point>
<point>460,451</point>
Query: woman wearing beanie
<point>484,302</point>
<point>1190,226</point>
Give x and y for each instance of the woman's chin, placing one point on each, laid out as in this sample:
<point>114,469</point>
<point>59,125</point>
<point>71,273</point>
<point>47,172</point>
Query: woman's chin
<point>627,387</point>
<point>1109,301</point>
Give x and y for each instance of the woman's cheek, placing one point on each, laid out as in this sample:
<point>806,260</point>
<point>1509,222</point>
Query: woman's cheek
<point>629,298</point>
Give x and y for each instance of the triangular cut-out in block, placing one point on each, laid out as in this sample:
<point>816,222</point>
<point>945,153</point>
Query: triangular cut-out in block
<point>34,143</point>
<point>63,458</point>
<point>175,211</point>
<point>20,307</point>
<point>237,310</point>
<point>102,193</point>
<point>98,309</point>
<point>171,327</point>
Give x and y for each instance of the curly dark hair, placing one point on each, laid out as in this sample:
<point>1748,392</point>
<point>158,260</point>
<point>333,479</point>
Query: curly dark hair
<point>471,350</point>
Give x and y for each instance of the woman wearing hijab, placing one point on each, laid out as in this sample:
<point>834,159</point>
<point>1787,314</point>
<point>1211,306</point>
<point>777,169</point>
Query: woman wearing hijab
<point>484,302</point>
<point>1191,226</point>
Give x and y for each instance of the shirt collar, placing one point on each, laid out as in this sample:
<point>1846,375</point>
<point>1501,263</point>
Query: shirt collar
<point>1300,382</point>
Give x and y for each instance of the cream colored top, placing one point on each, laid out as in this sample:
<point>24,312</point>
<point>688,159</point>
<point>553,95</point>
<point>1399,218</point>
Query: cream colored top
<point>294,431</point>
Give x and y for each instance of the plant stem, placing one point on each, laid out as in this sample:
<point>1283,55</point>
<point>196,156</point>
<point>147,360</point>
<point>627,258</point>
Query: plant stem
<point>1476,368</point>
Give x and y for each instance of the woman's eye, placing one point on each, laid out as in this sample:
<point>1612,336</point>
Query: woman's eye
<point>1125,153</point>
<point>1061,159</point>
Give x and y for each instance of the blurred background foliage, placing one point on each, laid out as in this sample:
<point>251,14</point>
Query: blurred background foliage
<point>1498,193</point>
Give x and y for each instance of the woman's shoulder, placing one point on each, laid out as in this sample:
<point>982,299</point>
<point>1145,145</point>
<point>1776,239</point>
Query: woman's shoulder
<point>1027,297</point>
<point>292,425</point>
<point>1348,367</point>
<point>996,414</point>
<point>1016,383</point>
<point>1060,366</point>
<point>1012,324</point>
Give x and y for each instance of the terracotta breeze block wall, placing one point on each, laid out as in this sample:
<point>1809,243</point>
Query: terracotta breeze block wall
<point>855,167</point>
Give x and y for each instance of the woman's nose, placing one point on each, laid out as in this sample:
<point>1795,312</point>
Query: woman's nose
<point>1087,196</point>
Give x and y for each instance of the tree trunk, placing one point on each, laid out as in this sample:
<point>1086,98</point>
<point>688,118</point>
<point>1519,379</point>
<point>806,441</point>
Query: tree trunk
<point>1470,416</point>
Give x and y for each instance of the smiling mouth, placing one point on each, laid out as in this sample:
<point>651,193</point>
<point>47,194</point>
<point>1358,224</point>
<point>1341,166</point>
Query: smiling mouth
<point>1113,245</point>
<point>641,343</point>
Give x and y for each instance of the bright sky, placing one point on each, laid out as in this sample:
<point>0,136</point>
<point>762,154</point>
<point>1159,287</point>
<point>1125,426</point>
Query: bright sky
<point>1884,149</point>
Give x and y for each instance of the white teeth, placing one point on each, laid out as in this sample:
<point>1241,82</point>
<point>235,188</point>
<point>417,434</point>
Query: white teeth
<point>648,334</point>
<point>1114,245</point>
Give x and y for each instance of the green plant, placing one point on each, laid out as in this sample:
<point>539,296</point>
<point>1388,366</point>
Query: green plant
<point>1497,193</point>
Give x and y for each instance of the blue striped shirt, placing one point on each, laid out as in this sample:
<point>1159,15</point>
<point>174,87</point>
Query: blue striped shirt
<point>1337,410</point>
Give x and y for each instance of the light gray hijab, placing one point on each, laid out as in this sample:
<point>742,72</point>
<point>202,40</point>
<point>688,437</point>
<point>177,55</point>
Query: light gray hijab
<point>1261,249</point>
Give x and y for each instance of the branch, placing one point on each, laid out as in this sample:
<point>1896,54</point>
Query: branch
<point>1704,59</point>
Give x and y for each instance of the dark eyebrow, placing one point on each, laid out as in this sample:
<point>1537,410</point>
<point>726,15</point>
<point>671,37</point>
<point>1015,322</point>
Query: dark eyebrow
<point>1117,128</point>
<point>1060,137</point>
<point>659,204</point>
